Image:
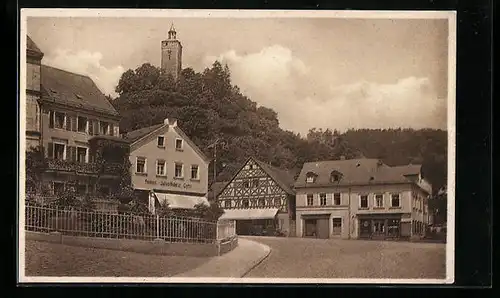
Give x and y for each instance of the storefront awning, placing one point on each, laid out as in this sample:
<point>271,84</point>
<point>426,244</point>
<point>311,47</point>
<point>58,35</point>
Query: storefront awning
<point>180,201</point>
<point>248,214</point>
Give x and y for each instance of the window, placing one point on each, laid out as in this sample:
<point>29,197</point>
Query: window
<point>336,198</point>
<point>58,188</point>
<point>379,200</point>
<point>310,179</point>
<point>262,202</point>
<point>227,204</point>
<point>59,151</point>
<point>336,226</point>
<point>81,189</point>
<point>246,184</point>
<point>395,201</point>
<point>255,183</point>
<point>104,128</point>
<point>160,168</point>
<point>161,141</point>
<point>140,166</point>
<point>245,203</point>
<point>277,202</point>
<point>59,120</point>
<point>81,154</point>
<point>179,170</point>
<point>194,172</point>
<point>310,200</point>
<point>363,201</point>
<point>178,144</point>
<point>322,199</point>
<point>82,124</point>
<point>393,227</point>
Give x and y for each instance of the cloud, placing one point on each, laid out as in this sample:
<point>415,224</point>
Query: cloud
<point>87,63</point>
<point>304,98</point>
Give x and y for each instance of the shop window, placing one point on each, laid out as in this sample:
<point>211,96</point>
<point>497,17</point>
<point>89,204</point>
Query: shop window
<point>393,227</point>
<point>336,226</point>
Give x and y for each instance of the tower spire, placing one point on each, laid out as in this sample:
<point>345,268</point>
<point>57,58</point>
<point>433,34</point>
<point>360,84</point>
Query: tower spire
<point>172,33</point>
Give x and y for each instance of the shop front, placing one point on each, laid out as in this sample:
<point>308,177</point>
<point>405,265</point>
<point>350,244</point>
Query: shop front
<point>316,226</point>
<point>254,221</point>
<point>381,226</point>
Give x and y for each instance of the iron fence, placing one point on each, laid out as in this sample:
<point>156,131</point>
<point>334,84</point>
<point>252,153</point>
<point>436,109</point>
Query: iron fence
<point>74,222</point>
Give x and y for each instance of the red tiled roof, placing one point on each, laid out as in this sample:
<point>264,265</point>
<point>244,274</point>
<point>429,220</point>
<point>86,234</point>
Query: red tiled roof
<point>68,88</point>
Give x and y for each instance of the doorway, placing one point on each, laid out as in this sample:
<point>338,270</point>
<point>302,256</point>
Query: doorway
<point>310,227</point>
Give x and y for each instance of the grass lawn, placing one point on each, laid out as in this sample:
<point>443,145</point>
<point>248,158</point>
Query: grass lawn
<point>50,259</point>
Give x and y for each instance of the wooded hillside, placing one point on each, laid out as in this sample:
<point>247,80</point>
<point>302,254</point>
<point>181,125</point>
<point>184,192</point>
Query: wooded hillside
<point>209,107</point>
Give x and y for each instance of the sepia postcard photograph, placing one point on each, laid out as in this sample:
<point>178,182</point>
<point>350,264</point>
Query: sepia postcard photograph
<point>232,146</point>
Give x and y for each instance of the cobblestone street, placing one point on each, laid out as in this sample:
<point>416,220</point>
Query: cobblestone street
<point>318,258</point>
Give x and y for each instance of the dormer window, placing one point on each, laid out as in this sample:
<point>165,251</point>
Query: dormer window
<point>310,177</point>
<point>335,176</point>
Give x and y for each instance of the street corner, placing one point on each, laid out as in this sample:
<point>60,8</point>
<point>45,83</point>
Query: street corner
<point>235,264</point>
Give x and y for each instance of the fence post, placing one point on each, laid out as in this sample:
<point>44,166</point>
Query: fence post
<point>217,230</point>
<point>157,226</point>
<point>57,218</point>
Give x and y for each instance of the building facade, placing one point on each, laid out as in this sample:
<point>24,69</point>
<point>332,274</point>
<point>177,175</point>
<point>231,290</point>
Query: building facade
<point>33,93</point>
<point>260,199</point>
<point>361,198</point>
<point>171,55</point>
<point>69,111</point>
<point>168,165</point>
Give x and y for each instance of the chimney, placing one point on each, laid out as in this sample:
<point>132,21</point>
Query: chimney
<point>170,122</point>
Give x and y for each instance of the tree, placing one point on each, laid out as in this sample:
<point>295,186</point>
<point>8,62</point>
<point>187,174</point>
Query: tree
<point>212,212</point>
<point>34,162</point>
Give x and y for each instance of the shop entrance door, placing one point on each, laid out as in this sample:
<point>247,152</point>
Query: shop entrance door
<point>379,229</point>
<point>365,226</point>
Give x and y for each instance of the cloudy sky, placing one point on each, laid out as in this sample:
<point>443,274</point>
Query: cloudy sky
<point>335,73</point>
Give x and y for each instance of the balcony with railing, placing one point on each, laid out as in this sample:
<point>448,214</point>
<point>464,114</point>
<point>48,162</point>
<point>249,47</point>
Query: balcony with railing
<point>82,167</point>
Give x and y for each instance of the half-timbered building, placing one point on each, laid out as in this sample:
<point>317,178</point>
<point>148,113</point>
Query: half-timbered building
<point>260,198</point>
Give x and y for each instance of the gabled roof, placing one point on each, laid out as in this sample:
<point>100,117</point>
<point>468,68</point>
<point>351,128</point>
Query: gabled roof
<point>32,49</point>
<point>283,178</point>
<point>216,188</point>
<point>362,171</point>
<point>137,134</point>
<point>68,88</point>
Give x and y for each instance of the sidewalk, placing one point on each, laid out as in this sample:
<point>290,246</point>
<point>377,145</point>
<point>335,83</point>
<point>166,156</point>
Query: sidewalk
<point>236,263</point>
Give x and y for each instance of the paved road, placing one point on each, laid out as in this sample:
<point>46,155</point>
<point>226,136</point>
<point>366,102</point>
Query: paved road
<point>318,258</point>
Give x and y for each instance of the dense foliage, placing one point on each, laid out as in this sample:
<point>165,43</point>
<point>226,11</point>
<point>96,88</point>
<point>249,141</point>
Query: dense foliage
<point>209,107</point>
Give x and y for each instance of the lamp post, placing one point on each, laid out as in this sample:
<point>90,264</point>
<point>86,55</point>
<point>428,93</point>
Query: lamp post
<point>214,145</point>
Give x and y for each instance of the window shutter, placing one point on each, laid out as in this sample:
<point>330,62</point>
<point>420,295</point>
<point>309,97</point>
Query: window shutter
<point>50,150</point>
<point>73,123</point>
<point>91,127</point>
<point>51,119</point>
